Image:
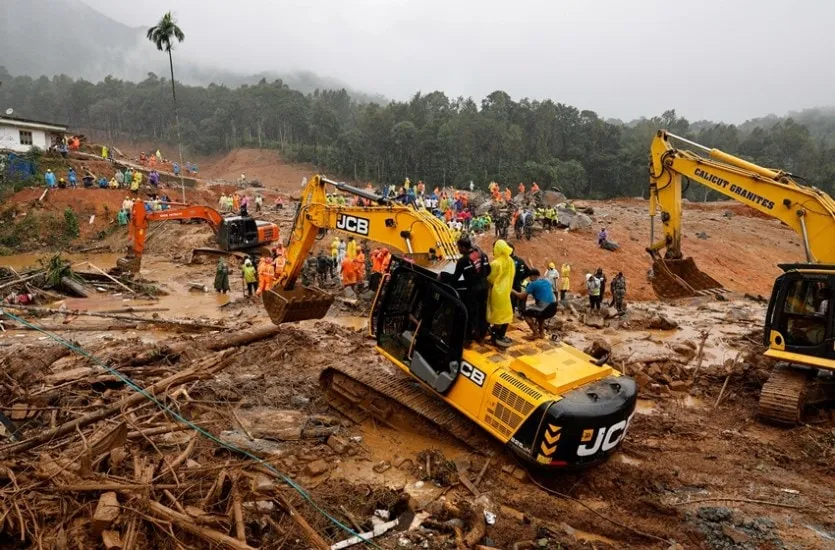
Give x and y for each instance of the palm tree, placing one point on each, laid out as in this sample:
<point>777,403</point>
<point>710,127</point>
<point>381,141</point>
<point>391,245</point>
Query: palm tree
<point>163,35</point>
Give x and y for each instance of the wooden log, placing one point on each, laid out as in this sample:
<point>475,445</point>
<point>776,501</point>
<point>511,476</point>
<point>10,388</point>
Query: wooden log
<point>74,286</point>
<point>121,284</point>
<point>107,510</point>
<point>187,524</point>
<point>162,387</point>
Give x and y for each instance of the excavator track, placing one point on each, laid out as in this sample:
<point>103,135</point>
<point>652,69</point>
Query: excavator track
<point>385,394</point>
<point>783,396</point>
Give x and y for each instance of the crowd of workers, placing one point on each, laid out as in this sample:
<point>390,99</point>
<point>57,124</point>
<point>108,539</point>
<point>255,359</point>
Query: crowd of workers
<point>127,179</point>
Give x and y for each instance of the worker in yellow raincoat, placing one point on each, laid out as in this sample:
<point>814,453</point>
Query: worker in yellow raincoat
<point>565,284</point>
<point>499,310</point>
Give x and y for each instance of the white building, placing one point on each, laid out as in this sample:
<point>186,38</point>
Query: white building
<point>20,135</point>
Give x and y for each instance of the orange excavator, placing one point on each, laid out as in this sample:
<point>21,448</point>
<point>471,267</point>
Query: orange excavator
<point>233,233</point>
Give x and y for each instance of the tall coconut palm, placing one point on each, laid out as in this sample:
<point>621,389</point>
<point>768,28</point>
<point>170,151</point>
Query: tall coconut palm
<point>163,35</point>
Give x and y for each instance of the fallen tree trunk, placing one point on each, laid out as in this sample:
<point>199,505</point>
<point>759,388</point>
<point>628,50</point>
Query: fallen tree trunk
<point>185,523</point>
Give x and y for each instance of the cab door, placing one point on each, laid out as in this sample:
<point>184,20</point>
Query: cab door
<point>800,315</point>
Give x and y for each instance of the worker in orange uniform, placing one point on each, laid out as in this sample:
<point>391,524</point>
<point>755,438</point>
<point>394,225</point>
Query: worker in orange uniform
<point>266,274</point>
<point>359,262</point>
<point>279,262</point>
<point>376,268</point>
<point>349,272</point>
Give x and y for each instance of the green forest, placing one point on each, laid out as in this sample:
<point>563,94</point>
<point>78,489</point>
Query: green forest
<point>431,137</point>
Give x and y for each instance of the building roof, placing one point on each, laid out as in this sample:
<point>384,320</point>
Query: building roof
<point>28,123</point>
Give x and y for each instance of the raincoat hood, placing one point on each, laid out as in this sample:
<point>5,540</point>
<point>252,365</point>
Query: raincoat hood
<point>501,249</point>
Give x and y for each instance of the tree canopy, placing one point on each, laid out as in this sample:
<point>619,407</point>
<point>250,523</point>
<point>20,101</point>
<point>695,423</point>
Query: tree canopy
<point>431,137</point>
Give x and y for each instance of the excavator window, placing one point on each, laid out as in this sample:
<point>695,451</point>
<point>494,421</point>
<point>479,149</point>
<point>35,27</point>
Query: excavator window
<point>805,319</point>
<point>421,324</point>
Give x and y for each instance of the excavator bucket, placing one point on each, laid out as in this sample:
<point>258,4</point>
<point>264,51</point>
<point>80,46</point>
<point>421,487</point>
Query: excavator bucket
<point>681,279</point>
<point>299,304</point>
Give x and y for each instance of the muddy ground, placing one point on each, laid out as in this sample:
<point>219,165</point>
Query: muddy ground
<point>691,471</point>
<point>695,470</point>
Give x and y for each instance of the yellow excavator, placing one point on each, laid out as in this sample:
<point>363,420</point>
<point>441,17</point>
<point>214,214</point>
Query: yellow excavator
<point>799,328</point>
<point>552,405</point>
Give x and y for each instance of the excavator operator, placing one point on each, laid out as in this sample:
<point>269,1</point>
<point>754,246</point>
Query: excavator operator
<point>470,280</point>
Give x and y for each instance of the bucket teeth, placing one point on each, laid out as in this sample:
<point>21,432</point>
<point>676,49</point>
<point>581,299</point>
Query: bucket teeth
<point>681,279</point>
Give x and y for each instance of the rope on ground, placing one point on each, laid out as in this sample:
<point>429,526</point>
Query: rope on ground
<point>598,514</point>
<point>174,414</point>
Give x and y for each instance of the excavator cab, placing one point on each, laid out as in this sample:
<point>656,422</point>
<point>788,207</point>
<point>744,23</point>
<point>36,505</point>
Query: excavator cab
<point>800,333</point>
<point>800,314</point>
<point>243,233</point>
<point>422,322</point>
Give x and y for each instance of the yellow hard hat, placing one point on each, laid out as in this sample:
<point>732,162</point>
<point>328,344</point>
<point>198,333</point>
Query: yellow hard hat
<point>552,266</point>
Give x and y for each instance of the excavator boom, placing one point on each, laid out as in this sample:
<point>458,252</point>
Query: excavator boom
<point>808,211</point>
<point>238,234</point>
<point>415,232</point>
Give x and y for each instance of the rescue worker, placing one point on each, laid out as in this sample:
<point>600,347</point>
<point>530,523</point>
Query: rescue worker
<point>309,270</point>
<point>376,269</point>
<point>72,177</point>
<point>113,184</point>
<point>349,272</point>
<point>279,263</point>
<point>619,291</point>
<point>499,308</point>
<point>259,201</point>
<point>602,278</point>
<point>334,256</point>
<point>221,202</point>
<point>49,178</point>
<point>545,305</point>
<point>341,251</point>
<point>122,217</point>
<point>266,274</point>
<point>222,277</point>
<point>553,276</point>
<point>250,277</point>
<point>565,284</point>
<point>520,274</point>
<point>351,248</point>
<point>359,261</point>
<point>593,286</point>
<point>137,181</point>
<point>323,268</point>
<point>521,188</point>
<point>470,278</point>
<point>62,183</point>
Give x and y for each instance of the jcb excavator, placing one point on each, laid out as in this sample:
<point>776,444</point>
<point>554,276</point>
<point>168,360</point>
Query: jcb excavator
<point>233,233</point>
<point>799,325</point>
<point>551,404</point>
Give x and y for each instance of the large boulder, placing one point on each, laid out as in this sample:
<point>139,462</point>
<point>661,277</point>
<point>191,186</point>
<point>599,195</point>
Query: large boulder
<point>580,222</point>
<point>553,198</point>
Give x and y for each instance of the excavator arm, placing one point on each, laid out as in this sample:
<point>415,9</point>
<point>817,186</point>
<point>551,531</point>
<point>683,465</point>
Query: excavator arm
<point>808,211</point>
<point>414,232</point>
<point>140,219</point>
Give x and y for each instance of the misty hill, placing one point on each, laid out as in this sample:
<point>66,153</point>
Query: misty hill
<point>55,37</point>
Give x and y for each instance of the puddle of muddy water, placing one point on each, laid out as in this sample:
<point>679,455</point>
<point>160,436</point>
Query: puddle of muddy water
<point>21,261</point>
<point>187,304</point>
<point>353,322</point>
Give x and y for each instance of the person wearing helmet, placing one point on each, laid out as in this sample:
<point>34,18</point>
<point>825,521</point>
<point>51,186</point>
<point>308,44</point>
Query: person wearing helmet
<point>49,178</point>
<point>250,276</point>
<point>62,183</point>
<point>553,276</point>
<point>470,280</point>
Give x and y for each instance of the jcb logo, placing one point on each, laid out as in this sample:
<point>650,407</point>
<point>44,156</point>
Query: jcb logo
<point>606,439</point>
<point>472,373</point>
<point>352,224</point>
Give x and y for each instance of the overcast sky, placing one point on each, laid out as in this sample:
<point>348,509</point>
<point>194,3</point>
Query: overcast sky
<point>720,60</point>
